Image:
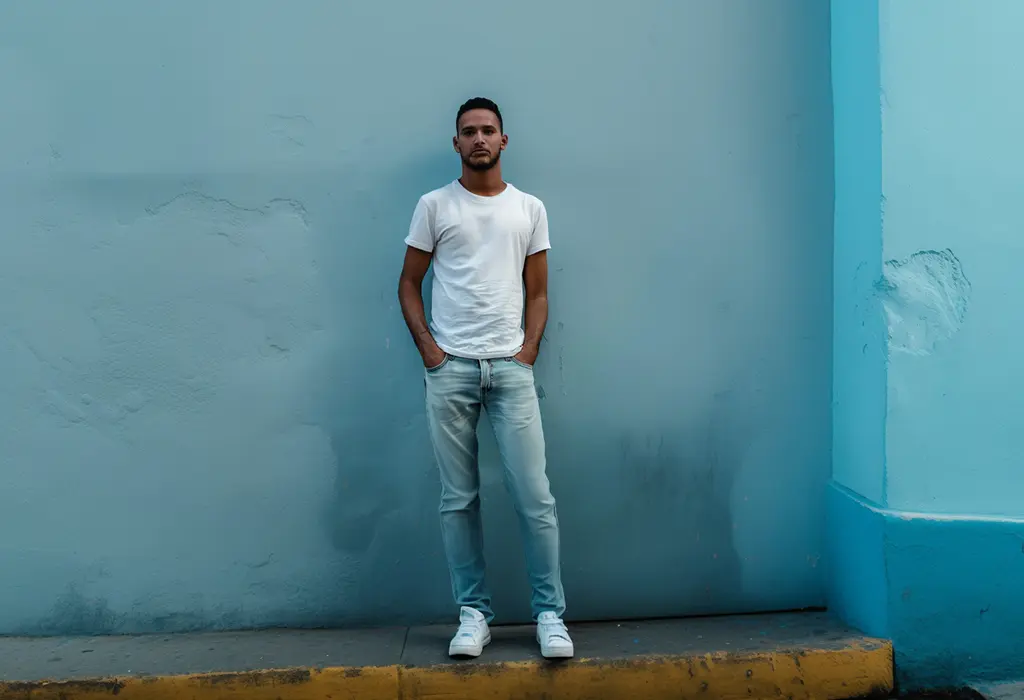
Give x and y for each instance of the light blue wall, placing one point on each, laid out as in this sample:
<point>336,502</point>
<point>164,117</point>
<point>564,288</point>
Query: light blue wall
<point>857,583</point>
<point>953,182</point>
<point>858,422</point>
<point>933,559</point>
<point>211,414</point>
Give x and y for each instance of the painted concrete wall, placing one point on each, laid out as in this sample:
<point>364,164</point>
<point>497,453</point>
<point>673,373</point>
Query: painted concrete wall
<point>859,381</point>
<point>953,185</point>
<point>931,553</point>
<point>211,414</point>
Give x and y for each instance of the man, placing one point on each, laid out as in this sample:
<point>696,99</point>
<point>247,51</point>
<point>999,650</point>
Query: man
<point>488,242</point>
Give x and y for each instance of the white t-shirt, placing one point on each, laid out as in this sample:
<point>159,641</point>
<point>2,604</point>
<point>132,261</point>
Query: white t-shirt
<point>480,245</point>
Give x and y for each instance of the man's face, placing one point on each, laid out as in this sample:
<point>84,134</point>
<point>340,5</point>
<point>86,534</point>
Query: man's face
<point>479,140</point>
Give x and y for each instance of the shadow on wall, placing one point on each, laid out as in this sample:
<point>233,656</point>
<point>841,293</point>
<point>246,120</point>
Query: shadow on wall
<point>669,501</point>
<point>382,517</point>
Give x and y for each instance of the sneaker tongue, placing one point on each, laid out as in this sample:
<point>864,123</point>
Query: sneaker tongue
<point>470,615</point>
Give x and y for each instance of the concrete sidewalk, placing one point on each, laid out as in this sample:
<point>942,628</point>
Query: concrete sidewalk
<point>802,655</point>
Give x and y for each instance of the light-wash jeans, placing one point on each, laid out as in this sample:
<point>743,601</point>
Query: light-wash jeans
<point>456,391</point>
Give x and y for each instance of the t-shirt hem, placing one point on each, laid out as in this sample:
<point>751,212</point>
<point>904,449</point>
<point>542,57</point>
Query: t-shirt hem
<point>455,352</point>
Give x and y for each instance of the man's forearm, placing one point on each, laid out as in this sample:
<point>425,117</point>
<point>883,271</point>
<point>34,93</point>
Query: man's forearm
<point>410,298</point>
<point>536,320</point>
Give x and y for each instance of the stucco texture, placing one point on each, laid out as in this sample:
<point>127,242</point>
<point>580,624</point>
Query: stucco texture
<point>211,415</point>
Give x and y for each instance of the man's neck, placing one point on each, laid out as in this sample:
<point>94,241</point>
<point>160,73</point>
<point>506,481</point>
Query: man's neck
<point>486,183</point>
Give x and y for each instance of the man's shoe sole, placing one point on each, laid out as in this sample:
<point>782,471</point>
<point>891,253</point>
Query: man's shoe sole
<point>557,653</point>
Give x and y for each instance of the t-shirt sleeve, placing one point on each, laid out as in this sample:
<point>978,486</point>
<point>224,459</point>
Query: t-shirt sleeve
<point>539,240</point>
<point>421,228</point>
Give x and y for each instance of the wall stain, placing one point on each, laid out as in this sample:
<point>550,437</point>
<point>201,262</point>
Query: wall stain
<point>679,482</point>
<point>76,614</point>
<point>73,613</point>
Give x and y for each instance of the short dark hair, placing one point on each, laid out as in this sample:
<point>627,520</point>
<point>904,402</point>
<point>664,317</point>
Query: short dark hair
<point>480,103</point>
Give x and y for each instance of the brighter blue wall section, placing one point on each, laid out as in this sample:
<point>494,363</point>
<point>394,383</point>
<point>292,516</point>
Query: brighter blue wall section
<point>932,554</point>
<point>954,183</point>
<point>952,152</point>
<point>858,408</point>
<point>211,414</point>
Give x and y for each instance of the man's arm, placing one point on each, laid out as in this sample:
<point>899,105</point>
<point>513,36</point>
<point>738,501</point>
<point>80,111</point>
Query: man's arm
<point>535,280</point>
<point>410,297</point>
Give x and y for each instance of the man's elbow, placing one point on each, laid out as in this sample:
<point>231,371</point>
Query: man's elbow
<point>407,285</point>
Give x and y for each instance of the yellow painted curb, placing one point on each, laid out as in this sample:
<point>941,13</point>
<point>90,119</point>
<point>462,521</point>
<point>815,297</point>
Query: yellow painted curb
<point>813,674</point>
<point>371,683</point>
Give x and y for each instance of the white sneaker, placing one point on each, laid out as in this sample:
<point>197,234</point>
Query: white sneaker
<point>555,642</point>
<point>473,634</point>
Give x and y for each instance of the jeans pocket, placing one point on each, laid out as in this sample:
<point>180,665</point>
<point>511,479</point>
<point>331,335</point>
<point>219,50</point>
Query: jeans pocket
<point>431,370</point>
<point>521,364</point>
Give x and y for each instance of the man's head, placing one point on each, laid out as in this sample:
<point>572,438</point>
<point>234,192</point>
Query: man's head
<point>479,134</point>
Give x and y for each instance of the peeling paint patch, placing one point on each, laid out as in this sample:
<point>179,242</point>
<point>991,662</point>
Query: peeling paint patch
<point>925,298</point>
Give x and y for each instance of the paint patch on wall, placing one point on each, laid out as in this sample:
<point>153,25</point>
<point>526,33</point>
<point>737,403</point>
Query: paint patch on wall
<point>925,298</point>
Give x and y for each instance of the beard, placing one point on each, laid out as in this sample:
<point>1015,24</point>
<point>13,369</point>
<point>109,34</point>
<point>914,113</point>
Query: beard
<point>481,165</point>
